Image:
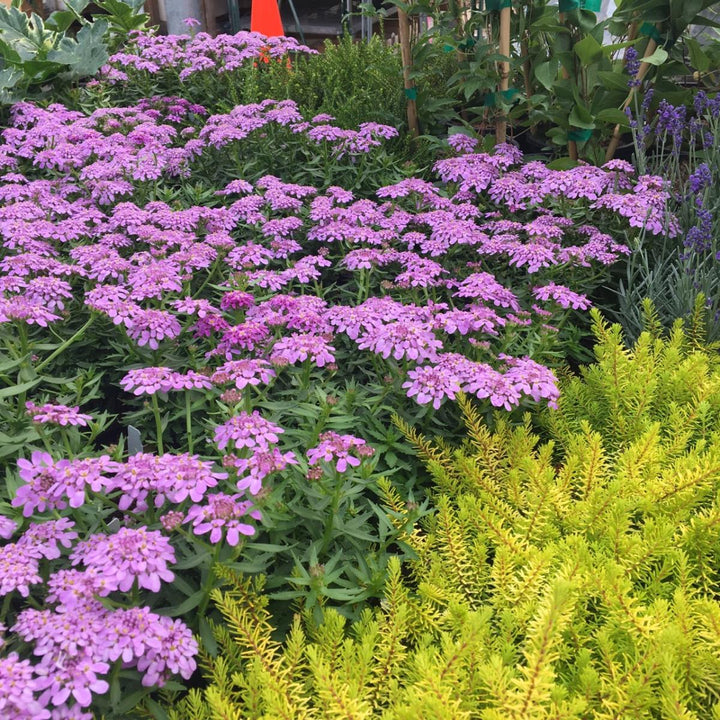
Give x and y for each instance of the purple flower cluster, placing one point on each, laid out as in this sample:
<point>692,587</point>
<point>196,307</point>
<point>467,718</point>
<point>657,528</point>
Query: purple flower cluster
<point>57,414</point>
<point>135,261</point>
<point>131,555</point>
<point>188,55</point>
<point>344,450</point>
<point>51,485</point>
<point>148,381</point>
<point>222,516</point>
<point>247,431</point>
<point>453,373</point>
<point>76,638</point>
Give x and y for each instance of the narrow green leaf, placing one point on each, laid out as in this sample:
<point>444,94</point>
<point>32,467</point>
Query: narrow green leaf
<point>17,389</point>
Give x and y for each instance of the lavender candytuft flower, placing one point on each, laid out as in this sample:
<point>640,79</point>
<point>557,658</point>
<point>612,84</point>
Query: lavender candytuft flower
<point>345,450</point>
<point>130,555</point>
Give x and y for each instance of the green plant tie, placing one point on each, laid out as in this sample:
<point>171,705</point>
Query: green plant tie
<point>468,44</point>
<point>448,48</point>
<point>411,93</point>
<point>580,135</point>
<point>568,5</point>
<point>649,30</point>
<point>497,4</point>
<point>491,99</point>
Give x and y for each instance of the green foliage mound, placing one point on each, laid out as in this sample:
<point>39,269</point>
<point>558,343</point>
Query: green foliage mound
<point>575,577</point>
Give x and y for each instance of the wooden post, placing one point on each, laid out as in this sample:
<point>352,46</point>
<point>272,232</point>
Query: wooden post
<point>208,12</point>
<point>501,124</point>
<point>153,10</point>
<point>642,71</point>
<point>572,144</point>
<point>406,54</point>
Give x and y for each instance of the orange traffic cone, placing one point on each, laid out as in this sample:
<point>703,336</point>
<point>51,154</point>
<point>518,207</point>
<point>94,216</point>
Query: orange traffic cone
<point>265,18</point>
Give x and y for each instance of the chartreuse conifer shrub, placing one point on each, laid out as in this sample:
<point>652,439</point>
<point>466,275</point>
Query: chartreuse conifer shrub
<point>575,577</point>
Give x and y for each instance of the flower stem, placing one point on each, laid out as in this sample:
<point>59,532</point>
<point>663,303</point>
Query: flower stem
<point>66,443</point>
<point>40,430</point>
<point>330,524</point>
<point>209,582</point>
<point>188,423</point>
<point>158,424</point>
<point>66,344</point>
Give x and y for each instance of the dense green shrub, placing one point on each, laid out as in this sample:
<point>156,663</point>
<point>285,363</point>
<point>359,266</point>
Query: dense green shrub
<point>571,578</point>
<point>355,82</point>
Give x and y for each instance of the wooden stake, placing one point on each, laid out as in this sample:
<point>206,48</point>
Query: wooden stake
<point>572,144</point>
<point>406,54</point>
<point>501,124</point>
<point>642,71</point>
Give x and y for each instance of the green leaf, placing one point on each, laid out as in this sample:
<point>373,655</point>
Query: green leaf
<point>546,73</point>
<point>131,701</point>
<point>87,54</point>
<point>185,606</point>
<point>156,709</point>
<point>612,115</point>
<point>614,80</point>
<point>6,450</point>
<point>77,6</point>
<point>193,561</point>
<point>344,595</point>
<point>700,61</point>
<point>581,117</point>
<point>60,21</point>
<point>657,58</point>
<point>9,53</point>
<point>588,49</point>
<point>14,24</point>
<point>17,389</point>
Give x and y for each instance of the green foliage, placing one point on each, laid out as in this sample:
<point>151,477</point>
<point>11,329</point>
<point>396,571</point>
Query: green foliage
<point>355,82</point>
<point>572,578</point>
<point>35,52</point>
<point>566,84</point>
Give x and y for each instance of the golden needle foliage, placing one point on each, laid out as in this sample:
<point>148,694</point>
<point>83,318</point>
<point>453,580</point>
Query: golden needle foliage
<point>575,578</point>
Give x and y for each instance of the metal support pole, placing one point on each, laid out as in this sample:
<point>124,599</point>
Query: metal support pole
<point>234,13</point>
<point>296,20</point>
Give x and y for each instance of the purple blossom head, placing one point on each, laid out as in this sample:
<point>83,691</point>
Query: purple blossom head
<point>57,414</point>
<point>632,66</point>
<point>7,527</point>
<point>130,555</point>
<point>255,468</point>
<point>47,536</point>
<point>19,568</point>
<point>223,515</point>
<point>344,450</point>
<point>43,488</point>
<point>247,430</point>
<point>462,143</point>
<point>700,179</point>
<point>19,687</point>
